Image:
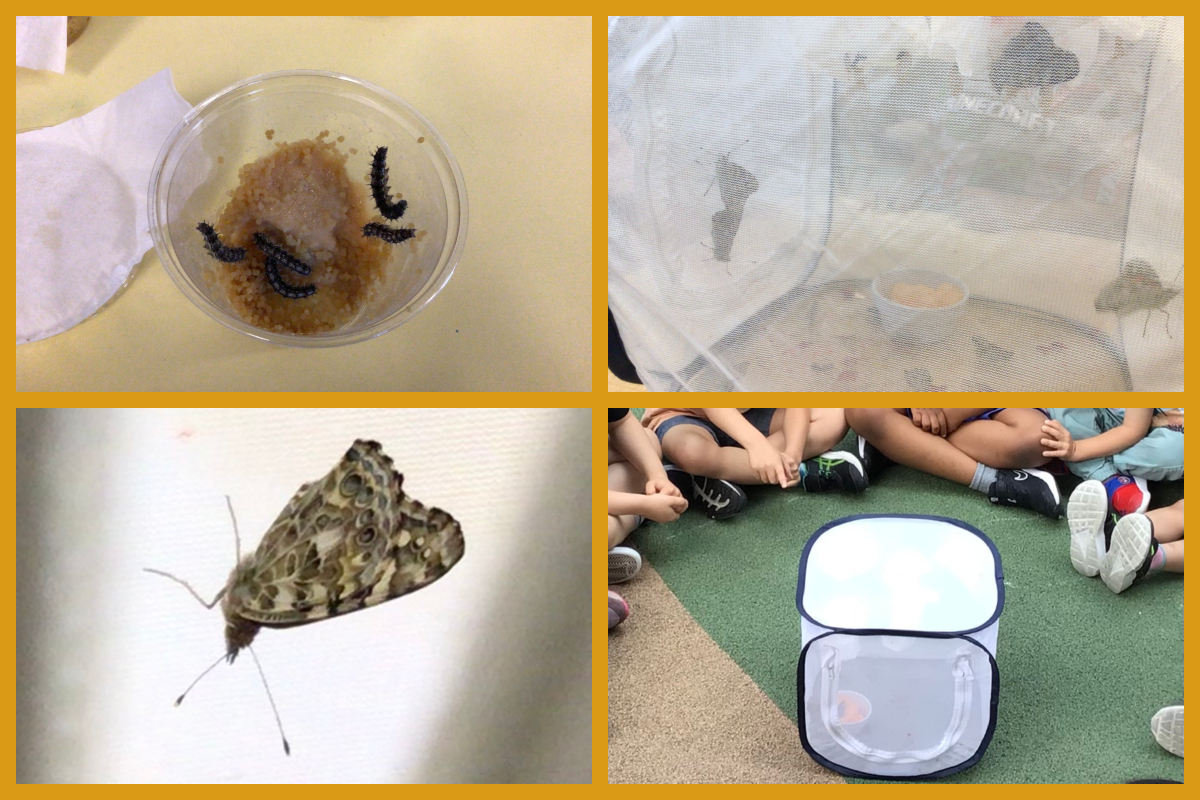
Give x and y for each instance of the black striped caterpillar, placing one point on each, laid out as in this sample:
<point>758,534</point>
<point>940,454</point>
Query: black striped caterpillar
<point>278,256</point>
<point>389,235</point>
<point>379,187</point>
<point>283,287</point>
<point>275,252</point>
<point>219,251</point>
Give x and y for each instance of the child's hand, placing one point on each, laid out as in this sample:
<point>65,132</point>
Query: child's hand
<point>931,420</point>
<point>664,507</point>
<point>793,469</point>
<point>767,462</point>
<point>662,486</point>
<point>1057,441</point>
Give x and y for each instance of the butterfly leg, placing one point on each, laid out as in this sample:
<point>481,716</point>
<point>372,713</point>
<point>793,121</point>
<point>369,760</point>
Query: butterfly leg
<point>185,585</point>
<point>1147,321</point>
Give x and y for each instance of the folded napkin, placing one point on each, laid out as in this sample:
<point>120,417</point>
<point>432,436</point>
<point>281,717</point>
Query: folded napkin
<point>81,205</point>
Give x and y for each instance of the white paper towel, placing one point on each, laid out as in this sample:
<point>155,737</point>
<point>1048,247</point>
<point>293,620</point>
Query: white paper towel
<point>81,205</point>
<point>42,43</point>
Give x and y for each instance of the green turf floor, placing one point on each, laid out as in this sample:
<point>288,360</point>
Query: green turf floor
<point>1081,669</point>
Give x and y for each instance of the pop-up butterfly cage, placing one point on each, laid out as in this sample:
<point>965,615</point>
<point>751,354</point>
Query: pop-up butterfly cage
<point>897,204</point>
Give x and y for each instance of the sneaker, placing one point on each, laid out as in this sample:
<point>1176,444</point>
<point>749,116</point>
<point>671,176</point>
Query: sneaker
<point>873,461</point>
<point>834,470</point>
<point>623,564</point>
<point>1127,494</point>
<point>618,609</point>
<point>719,498</point>
<point>1128,558</point>
<point>681,479</point>
<point>1087,511</point>
<point>1028,488</point>
<point>1167,727</point>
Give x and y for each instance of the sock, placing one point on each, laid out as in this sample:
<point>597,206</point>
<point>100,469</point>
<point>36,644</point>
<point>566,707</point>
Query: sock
<point>985,476</point>
<point>1158,560</point>
<point>803,471</point>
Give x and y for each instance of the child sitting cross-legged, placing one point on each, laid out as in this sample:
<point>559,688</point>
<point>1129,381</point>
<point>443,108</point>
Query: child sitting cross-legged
<point>991,450</point>
<point>638,489</point>
<point>714,451</point>
<point>1115,451</point>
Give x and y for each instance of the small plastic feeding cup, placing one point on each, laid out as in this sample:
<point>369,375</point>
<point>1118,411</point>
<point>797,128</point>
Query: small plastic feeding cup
<point>853,709</point>
<point>919,305</point>
<point>199,164</point>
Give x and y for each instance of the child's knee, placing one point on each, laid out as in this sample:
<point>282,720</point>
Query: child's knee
<point>865,421</point>
<point>1023,448</point>
<point>692,454</point>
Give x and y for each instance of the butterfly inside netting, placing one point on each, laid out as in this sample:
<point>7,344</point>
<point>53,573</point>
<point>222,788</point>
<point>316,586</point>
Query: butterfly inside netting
<point>351,540</point>
<point>1138,288</point>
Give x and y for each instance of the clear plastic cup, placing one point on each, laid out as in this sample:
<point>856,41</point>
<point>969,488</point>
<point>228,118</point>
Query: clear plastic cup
<point>912,324</point>
<point>853,709</point>
<point>189,185</point>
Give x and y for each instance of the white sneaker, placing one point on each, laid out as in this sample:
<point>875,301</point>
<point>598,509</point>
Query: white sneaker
<point>623,564</point>
<point>1086,512</point>
<point>1129,552</point>
<point>1167,727</point>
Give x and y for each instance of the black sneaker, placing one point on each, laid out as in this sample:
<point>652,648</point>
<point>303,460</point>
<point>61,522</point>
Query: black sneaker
<point>681,479</point>
<point>834,470</point>
<point>872,460</point>
<point>718,498</point>
<point>1034,489</point>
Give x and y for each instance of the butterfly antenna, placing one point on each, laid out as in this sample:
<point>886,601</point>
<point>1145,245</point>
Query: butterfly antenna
<point>202,674</point>
<point>286,747</point>
<point>237,539</point>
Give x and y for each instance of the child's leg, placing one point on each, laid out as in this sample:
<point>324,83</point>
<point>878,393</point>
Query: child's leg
<point>1172,556</point>
<point>1157,457</point>
<point>693,449</point>
<point>1136,548</point>
<point>1084,423</point>
<point>1168,530</point>
<point>894,435</point>
<point>826,428</point>
<point>623,477</point>
<point>1009,440</point>
<point>1168,522</point>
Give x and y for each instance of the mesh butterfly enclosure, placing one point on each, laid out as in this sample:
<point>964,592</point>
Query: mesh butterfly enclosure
<point>891,204</point>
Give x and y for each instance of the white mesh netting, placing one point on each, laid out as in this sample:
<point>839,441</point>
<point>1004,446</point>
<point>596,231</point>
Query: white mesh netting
<point>961,204</point>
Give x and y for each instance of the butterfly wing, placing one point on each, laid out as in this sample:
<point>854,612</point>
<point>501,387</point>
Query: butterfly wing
<point>348,541</point>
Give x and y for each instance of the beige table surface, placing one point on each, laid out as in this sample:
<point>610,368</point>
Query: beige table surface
<point>511,96</point>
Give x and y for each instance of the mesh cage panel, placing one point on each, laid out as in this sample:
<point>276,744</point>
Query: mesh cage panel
<point>961,204</point>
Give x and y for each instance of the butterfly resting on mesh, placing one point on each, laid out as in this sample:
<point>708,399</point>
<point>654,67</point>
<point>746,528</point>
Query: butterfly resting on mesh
<point>349,541</point>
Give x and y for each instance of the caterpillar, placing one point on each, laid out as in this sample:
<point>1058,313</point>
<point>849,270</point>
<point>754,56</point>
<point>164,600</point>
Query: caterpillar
<point>283,287</point>
<point>379,187</point>
<point>389,235</point>
<point>281,256</point>
<point>219,251</point>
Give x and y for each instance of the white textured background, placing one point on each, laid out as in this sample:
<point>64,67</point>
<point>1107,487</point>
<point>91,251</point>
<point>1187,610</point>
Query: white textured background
<point>483,675</point>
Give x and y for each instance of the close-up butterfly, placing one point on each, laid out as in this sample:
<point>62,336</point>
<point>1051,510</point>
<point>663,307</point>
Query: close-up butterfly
<point>349,541</point>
